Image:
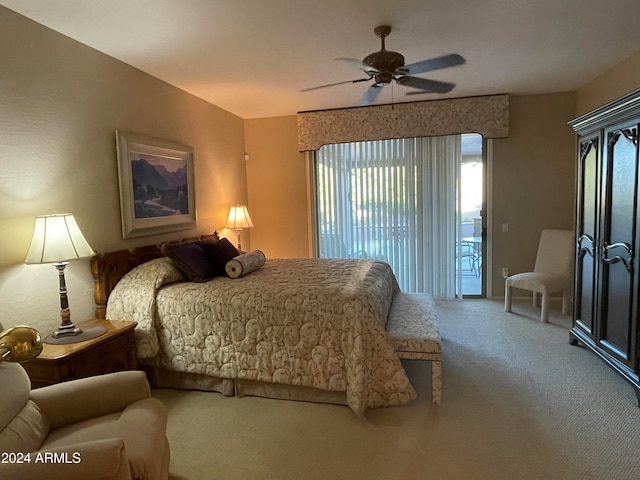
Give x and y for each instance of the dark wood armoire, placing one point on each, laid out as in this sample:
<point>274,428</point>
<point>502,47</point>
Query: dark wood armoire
<point>607,288</point>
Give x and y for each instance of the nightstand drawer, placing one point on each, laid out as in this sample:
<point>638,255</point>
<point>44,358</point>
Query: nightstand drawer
<point>113,351</point>
<point>118,347</point>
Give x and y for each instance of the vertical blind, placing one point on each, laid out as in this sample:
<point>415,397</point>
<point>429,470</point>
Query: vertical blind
<point>393,200</point>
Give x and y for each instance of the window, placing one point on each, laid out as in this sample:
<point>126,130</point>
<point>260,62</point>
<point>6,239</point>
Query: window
<point>393,200</point>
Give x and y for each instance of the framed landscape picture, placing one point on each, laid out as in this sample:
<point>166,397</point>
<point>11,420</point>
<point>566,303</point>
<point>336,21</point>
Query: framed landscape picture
<point>156,185</point>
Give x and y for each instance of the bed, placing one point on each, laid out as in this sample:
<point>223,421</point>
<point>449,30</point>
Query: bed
<point>303,329</point>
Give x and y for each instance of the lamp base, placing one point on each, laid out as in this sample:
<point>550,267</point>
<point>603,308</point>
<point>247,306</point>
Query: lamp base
<point>75,334</point>
<point>66,331</point>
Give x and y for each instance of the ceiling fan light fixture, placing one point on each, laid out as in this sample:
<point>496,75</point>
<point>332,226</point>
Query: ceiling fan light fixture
<point>383,78</point>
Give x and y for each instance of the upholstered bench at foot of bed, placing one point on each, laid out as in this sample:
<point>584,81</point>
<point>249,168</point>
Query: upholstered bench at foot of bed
<point>413,329</point>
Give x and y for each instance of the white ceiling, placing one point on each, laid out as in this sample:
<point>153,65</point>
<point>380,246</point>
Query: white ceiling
<point>252,57</point>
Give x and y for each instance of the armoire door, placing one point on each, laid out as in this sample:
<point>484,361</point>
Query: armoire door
<point>588,192</point>
<point>618,292</point>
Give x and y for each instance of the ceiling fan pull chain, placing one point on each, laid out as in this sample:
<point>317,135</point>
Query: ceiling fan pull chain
<point>393,101</point>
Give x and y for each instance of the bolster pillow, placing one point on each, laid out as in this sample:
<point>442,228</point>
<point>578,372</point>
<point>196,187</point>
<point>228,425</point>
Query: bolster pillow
<point>244,264</point>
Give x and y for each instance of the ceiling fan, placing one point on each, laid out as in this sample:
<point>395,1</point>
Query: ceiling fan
<point>386,66</point>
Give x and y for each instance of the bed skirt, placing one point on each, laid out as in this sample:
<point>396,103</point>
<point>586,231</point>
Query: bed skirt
<point>161,378</point>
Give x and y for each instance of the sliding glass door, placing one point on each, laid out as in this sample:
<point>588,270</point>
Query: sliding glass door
<point>393,200</point>
<point>400,201</point>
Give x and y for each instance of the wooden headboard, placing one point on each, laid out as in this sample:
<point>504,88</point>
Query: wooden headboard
<point>108,268</point>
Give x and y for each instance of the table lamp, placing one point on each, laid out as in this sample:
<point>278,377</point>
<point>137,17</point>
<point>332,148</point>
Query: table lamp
<point>238,219</point>
<point>57,240</point>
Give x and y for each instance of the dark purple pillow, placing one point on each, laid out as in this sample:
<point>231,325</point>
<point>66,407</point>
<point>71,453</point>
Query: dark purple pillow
<point>193,261</point>
<point>219,254</point>
<point>202,243</point>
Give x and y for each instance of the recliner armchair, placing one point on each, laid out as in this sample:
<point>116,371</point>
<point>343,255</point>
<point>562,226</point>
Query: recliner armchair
<point>105,427</point>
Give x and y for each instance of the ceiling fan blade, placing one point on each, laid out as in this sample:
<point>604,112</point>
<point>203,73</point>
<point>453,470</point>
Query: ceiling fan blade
<point>425,84</point>
<point>431,64</point>
<point>358,64</point>
<point>371,95</point>
<point>334,84</point>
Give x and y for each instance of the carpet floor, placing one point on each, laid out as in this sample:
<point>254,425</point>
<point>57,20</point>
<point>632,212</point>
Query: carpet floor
<point>519,403</point>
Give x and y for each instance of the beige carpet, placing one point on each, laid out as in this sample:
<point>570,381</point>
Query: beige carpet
<point>519,403</point>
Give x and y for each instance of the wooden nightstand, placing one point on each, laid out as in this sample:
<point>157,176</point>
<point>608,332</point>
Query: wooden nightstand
<point>113,351</point>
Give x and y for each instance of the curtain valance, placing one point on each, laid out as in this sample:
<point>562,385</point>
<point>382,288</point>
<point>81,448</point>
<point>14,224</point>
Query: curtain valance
<point>488,116</point>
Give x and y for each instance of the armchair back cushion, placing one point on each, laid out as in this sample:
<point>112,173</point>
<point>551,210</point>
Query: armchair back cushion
<point>23,428</point>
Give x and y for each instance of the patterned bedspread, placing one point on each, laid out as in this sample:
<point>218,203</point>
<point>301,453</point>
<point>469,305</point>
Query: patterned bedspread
<point>309,322</point>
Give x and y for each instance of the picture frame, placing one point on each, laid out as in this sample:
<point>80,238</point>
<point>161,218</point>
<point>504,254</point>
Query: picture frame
<point>157,192</point>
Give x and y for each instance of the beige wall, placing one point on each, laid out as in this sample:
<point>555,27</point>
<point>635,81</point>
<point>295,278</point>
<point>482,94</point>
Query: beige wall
<point>61,103</point>
<point>533,180</point>
<point>614,83</point>
<point>277,188</point>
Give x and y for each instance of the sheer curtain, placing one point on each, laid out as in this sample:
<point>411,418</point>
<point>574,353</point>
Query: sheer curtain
<point>393,200</point>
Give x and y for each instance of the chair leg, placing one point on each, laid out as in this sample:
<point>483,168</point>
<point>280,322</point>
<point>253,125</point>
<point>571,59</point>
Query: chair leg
<point>565,302</point>
<point>536,299</point>
<point>507,298</point>
<point>544,309</point>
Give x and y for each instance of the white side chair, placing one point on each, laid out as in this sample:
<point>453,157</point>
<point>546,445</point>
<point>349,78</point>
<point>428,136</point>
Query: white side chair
<point>552,273</point>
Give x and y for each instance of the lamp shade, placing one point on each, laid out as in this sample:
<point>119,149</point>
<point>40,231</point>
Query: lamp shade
<point>239,218</point>
<point>57,239</point>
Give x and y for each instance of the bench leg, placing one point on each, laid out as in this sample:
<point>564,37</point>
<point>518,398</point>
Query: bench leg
<point>436,381</point>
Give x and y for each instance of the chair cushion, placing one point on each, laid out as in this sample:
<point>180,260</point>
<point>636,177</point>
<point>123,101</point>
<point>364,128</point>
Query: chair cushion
<point>539,282</point>
<point>15,386</point>
<point>26,432</point>
<point>85,431</point>
<point>23,428</point>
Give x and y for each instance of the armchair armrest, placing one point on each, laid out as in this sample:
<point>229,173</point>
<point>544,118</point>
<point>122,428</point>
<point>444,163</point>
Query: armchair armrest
<point>100,459</point>
<point>142,427</point>
<point>77,400</point>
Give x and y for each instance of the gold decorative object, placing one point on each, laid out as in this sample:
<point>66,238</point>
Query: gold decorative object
<point>19,343</point>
